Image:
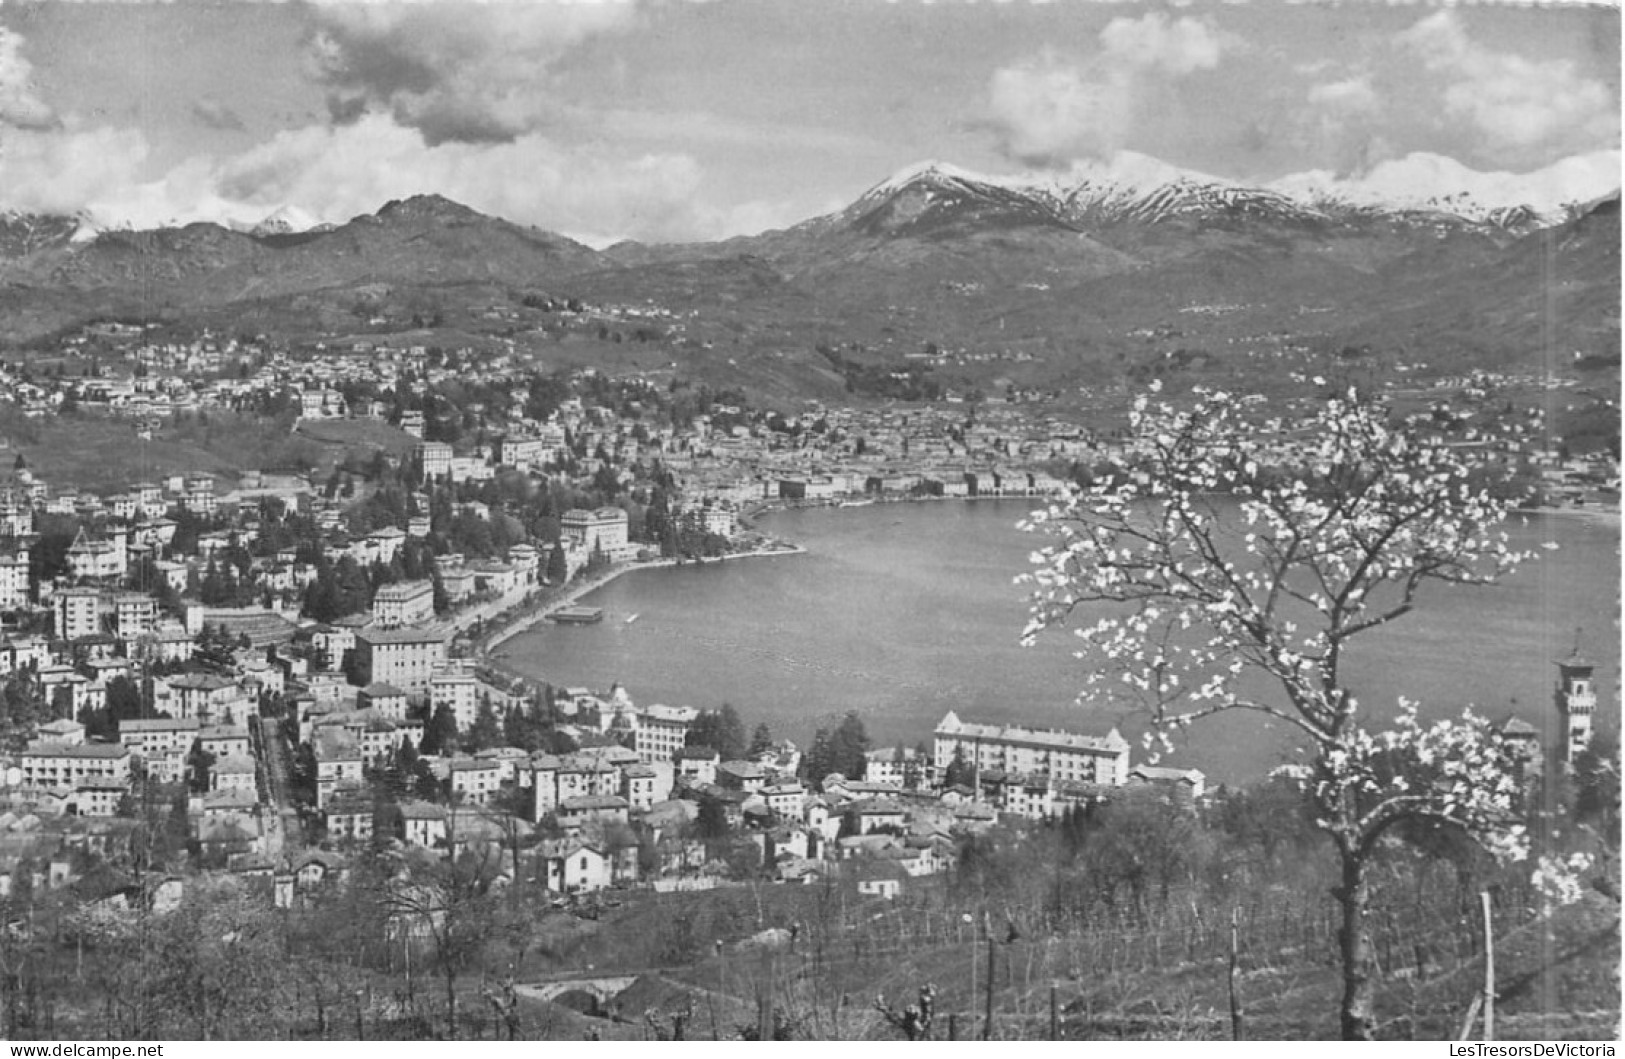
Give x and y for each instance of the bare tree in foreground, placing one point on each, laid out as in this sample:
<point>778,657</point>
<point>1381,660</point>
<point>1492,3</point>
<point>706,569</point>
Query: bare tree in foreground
<point>1234,549</point>
<point>449,901</point>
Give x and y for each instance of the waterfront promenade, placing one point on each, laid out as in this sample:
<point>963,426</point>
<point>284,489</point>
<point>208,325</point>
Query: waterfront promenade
<point>549,600</point>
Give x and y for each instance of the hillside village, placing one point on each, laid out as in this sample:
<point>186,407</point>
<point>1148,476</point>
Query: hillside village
<point>258,661</point>
<point>679,522</point>
<point>265,678</point>
<point>280,650</point>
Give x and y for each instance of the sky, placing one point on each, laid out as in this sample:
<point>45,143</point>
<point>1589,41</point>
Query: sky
<point>667,120</point>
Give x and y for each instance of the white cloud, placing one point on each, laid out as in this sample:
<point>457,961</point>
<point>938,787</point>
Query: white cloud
<point>1353,94</point>
<point>456,71</point>
<point>337,172</point>
<point>1155,43</point>
<point>20,106</point>
<point>61,170</point>
<point>1343,122</point>
<point>1521,109</point>
<point>1423,178</point>
<point>1049,110</point>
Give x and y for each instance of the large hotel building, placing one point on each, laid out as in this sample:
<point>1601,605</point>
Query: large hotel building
<point>1063,757</point>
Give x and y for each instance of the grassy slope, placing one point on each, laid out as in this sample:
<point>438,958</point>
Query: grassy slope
<point>103,455</point>
<point>1557,978</point>
<point>359,434</point>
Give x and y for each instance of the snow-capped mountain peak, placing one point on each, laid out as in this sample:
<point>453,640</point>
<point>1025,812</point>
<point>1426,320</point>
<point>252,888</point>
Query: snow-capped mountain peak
<point>1136,188</point>
<point>1431,183</point>
<point>1127,187</point>
<point>286,220</point>
<point>929,195</point>
<point>938,173</point>
<point>88,227</point>
<point>23,233</point>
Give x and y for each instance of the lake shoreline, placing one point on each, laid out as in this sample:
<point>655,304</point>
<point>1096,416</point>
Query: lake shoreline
<point>574,592</point>
<point>904,622</point>
<point>753,511</point>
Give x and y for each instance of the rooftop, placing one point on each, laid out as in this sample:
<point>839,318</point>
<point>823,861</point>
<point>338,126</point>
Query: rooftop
<point>160,724</point>
<point>89,750</point>
<point>590,802</point>
<point>1050,738</point>
<point>377,636</point>
<point>403,590</point>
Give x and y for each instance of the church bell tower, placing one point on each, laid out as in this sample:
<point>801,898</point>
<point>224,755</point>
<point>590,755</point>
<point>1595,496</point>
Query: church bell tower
<point>1576,701</point>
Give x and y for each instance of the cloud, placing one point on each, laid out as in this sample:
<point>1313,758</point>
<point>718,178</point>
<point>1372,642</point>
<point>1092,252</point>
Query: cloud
<point>708,128</point>
<point>1342,123</point>
<point>1048,110</point>
<point>456,71</point>
<point>1353,95</point>
<point>1154,43</point>
<point>343,171</point>
<point>455,98</point>
<point>214,114</point>
<point>62,171</point>
<point>1521,109</point>
<point>20,106</point>
<point>1422,176</point>
<point>337,172</point>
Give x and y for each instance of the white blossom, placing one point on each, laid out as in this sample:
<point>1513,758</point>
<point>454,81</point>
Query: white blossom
<point>1346,519</point>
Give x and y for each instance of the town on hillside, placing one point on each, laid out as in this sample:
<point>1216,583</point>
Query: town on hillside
<point>295,663</point>
<point>277,677</point>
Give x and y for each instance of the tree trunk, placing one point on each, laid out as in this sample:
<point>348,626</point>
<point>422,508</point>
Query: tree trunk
<point>1355,895</point>
<point>451,1006</point>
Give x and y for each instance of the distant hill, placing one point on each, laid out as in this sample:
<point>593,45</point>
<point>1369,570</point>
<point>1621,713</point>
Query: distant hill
<point>424,240</point>
<point>1050,283</point>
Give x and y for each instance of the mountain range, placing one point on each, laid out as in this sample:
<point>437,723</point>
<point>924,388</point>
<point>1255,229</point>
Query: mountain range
<point>1048,282</point>
<point>1421,190</point>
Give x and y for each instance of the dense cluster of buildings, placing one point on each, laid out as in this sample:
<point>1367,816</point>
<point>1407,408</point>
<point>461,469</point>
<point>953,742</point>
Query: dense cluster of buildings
<point>634,802</point>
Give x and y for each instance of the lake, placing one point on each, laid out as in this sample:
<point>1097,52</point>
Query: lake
<point>905,611</point>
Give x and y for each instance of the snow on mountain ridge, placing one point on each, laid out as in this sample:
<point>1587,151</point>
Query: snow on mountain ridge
<point>1137,187</point>
<point>286,220</point>
<point>933,172</point>
<point>1430,182</point>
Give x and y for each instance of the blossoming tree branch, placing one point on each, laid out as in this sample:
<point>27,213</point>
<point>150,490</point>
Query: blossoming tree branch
<point>1233,546</point>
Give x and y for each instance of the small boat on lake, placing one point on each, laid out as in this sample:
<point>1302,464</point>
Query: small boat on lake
<point>632,619</point>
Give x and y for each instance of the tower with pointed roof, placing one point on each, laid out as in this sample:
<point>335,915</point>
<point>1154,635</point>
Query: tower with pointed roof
<point>1576,701</point>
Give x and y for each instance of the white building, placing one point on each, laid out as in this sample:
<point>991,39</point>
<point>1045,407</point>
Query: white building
<point>602,530</point>
<point>406,658</point>
<point>55,765</point>
<point>403,603</point>
<point>457,690</point>
<point>662,731</point>
<point>97,560</point>
<point>14,581</point>
<point>1064,757</point>
<point>435,457</point>
<point>158,736</point>
<point>77,612</point>
<point>476,780</point>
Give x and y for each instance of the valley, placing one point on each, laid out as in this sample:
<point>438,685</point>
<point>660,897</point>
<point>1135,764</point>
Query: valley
<point>985,288</point>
